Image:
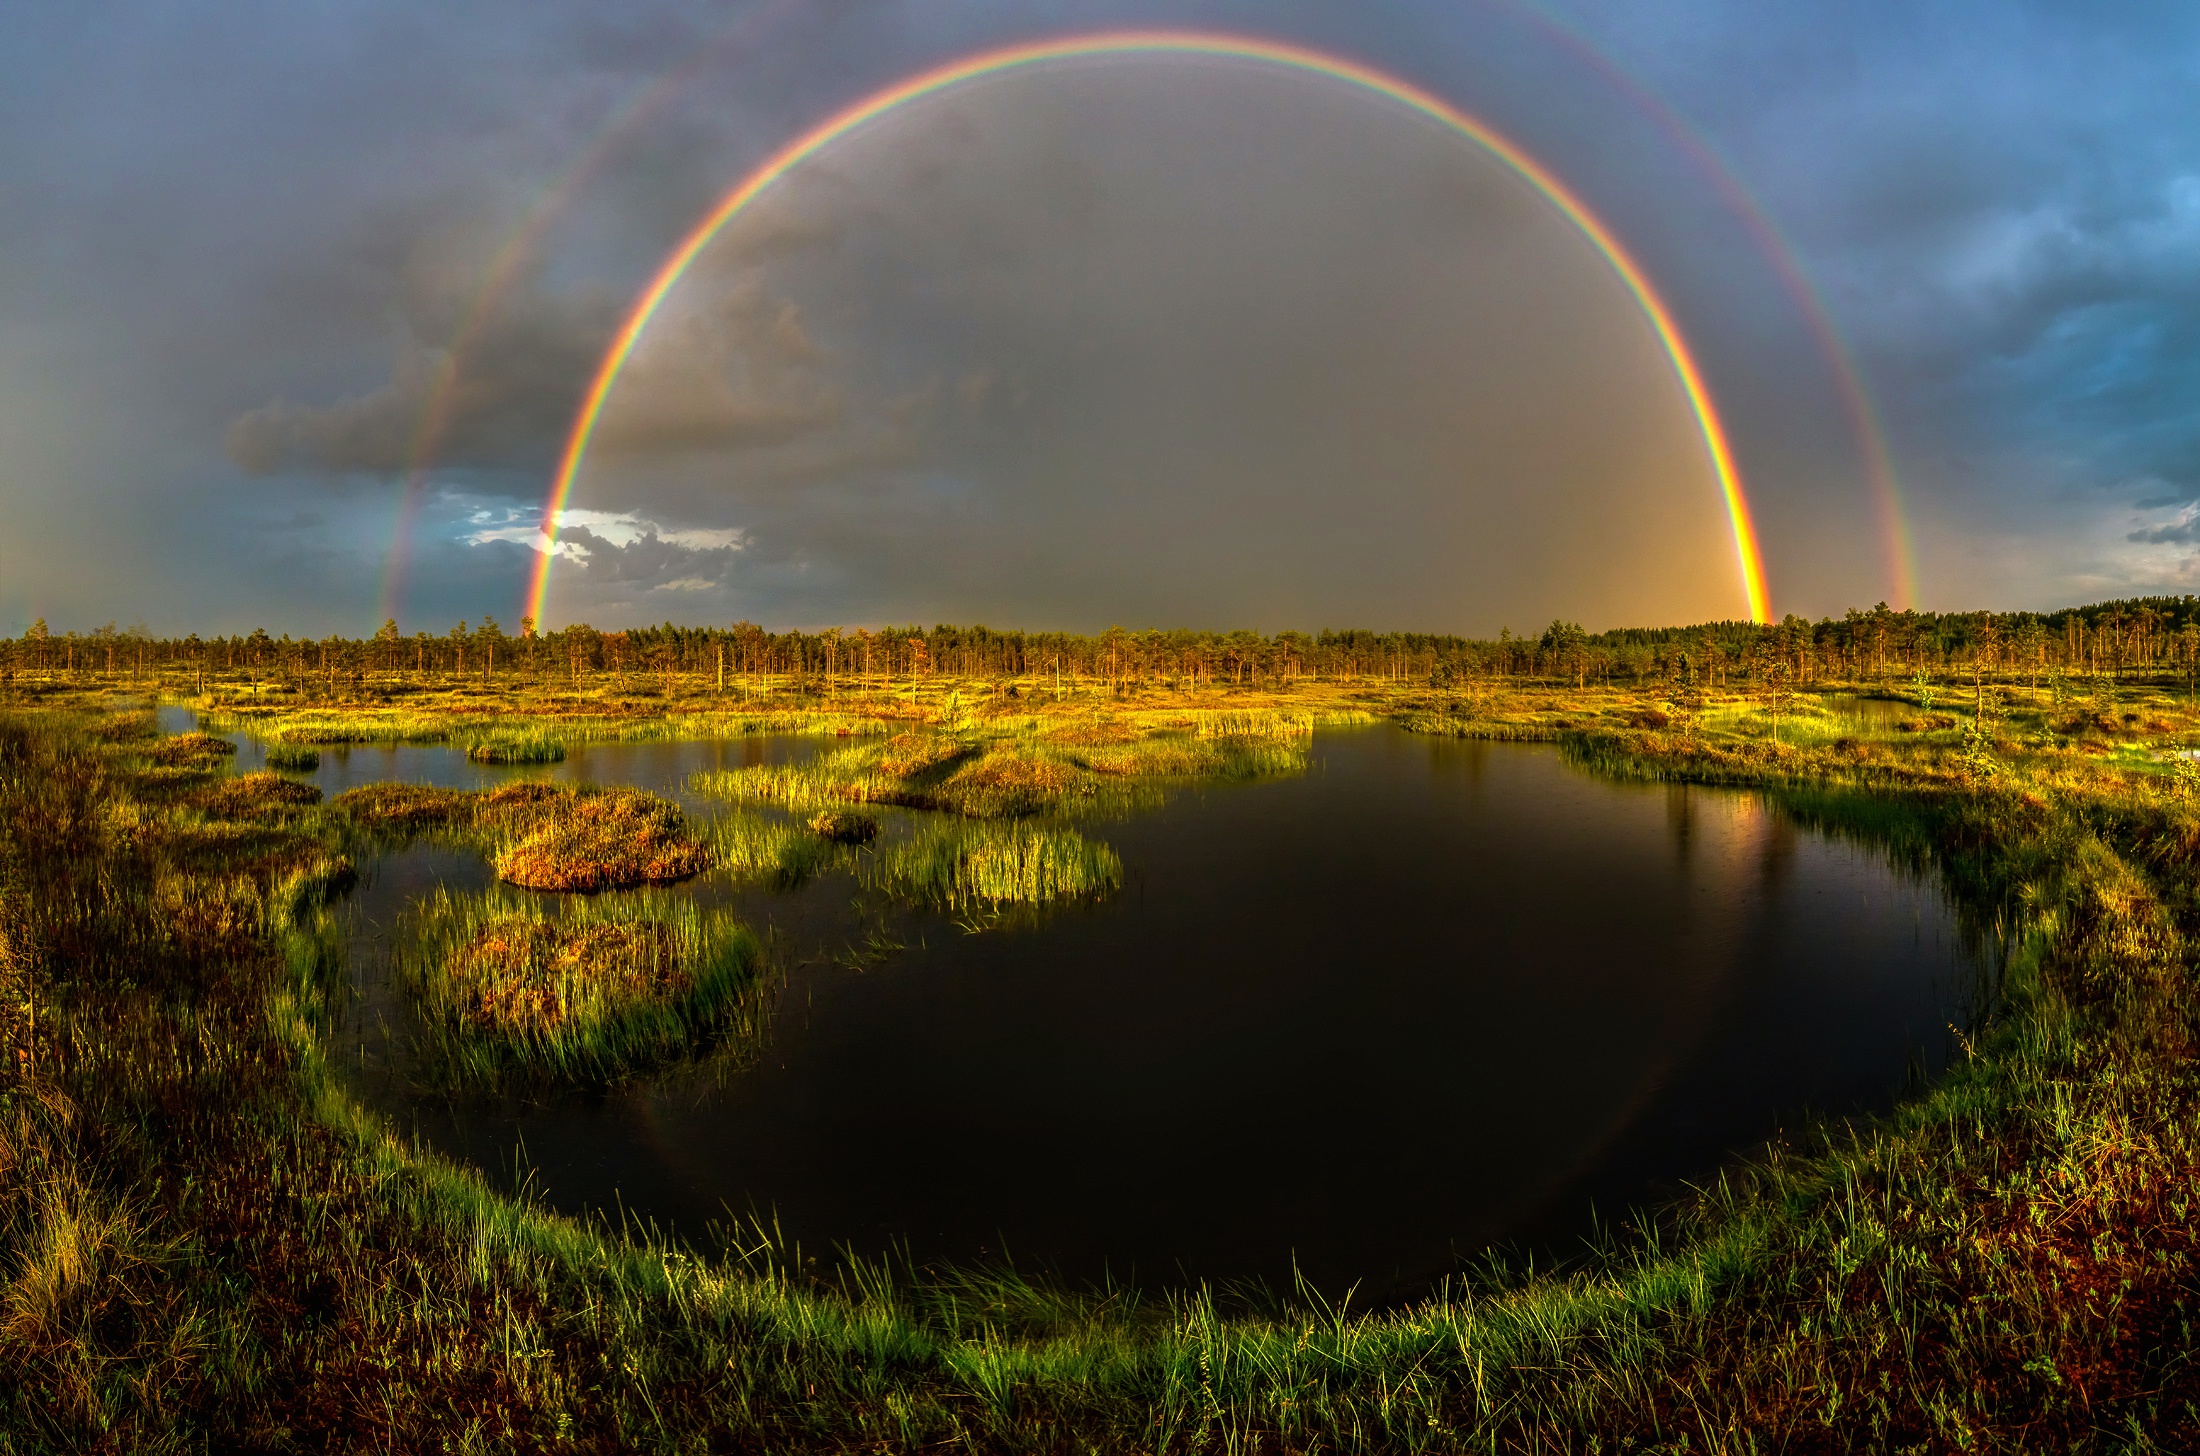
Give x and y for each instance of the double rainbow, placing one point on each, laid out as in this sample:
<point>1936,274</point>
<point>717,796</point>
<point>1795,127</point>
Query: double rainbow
<point>1291,57</point>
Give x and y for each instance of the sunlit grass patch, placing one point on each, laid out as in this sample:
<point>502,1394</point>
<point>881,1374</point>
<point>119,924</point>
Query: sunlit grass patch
<point>191,750</point>
<point>582,988</point>
<point>254,796</point>
<point>957,864</point>
<point>749,844</point>
<point>297,757</point>
<point>843,826</point>
<point>841,776</point>
<point>404,807</point>
<point>599,840</point>
<point>528,747</point>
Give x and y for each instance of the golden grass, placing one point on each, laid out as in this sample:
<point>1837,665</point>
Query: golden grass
<point>254,796</point>
<point>191,750</point>
<point>601,841</point>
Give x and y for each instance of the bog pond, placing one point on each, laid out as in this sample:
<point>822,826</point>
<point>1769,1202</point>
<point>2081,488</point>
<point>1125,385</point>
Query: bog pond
<point>1363,1021</point>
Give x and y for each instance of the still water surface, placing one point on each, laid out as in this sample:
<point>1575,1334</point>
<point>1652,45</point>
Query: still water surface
<point>1429,996</point>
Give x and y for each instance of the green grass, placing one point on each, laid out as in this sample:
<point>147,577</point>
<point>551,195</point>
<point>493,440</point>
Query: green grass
<point>1015,767</point>
<point>747,844</point>
<point>960,865</point>
<point>207,1244</point>
<point>295,757</point>
<point>537,746</point>
<point>588,988</point>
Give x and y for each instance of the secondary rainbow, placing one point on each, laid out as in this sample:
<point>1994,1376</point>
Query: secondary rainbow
<point>1865,424</point>
<point>1188,43</point>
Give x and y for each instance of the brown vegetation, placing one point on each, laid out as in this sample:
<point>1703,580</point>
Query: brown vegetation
<point>600,841</point>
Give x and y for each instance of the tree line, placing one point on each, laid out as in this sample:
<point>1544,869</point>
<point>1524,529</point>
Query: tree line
<point>2135,635</point>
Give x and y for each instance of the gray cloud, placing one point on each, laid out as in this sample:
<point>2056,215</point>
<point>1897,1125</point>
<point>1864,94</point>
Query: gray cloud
<point>1103,345</point>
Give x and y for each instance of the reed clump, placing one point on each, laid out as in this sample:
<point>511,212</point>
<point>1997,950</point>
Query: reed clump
<point>592,988</point>
<point>531,747</point>
<point>752,845</point>
<point>296,757</point>
<point>956,865</point>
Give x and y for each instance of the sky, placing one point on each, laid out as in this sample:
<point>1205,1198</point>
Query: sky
<point>298,302</point>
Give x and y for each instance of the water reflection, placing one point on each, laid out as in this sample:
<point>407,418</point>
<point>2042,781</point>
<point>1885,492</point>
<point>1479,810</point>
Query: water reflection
<point>1430,995</point>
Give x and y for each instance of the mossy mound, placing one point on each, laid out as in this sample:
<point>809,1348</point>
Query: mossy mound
<point>191,750</point>
<point>592,988</point>
<point>908,754</point>
<point>1008,783</point>
<point>602,841</point>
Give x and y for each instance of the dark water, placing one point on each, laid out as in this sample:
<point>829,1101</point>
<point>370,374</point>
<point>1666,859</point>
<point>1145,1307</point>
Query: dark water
<point>1429,996</point>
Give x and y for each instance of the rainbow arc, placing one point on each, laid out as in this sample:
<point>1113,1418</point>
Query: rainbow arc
<point>1749,560</point>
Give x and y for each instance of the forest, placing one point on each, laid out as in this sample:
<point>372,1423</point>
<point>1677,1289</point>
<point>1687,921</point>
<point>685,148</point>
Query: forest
<point>2151,633</point>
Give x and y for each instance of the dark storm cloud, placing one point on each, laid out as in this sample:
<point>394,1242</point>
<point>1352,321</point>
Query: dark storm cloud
<point>241,242</point>
<point>2003,202</point>
<point>505,396</point>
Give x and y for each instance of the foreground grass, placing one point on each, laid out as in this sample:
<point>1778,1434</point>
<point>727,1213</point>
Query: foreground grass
<point>207,1244</point>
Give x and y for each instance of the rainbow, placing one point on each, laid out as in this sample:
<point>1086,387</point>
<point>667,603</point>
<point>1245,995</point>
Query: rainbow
<point>1865,423</point>
<point>1748,557</point>
<point>505,269</point>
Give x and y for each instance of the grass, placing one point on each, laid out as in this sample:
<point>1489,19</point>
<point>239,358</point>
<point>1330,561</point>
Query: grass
<point>538,746</point>
<point>589,989</point>
<point>843,826</point>
<point>295,757</point>
<point>961,865</point>
<point>606,839</point>
<point>207,1245</point>
<point>543,836</point>
<point>1016,767</point>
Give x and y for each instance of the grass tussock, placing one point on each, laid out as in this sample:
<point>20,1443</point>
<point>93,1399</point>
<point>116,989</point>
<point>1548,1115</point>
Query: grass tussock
<point>405,808</point>
<point>604,840</point>
<point>191,751</point>
<point>294,757</point>
<point>590,988</point>
<point>254,796</point>
<point>958,865</point>
<point>533,747</point>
